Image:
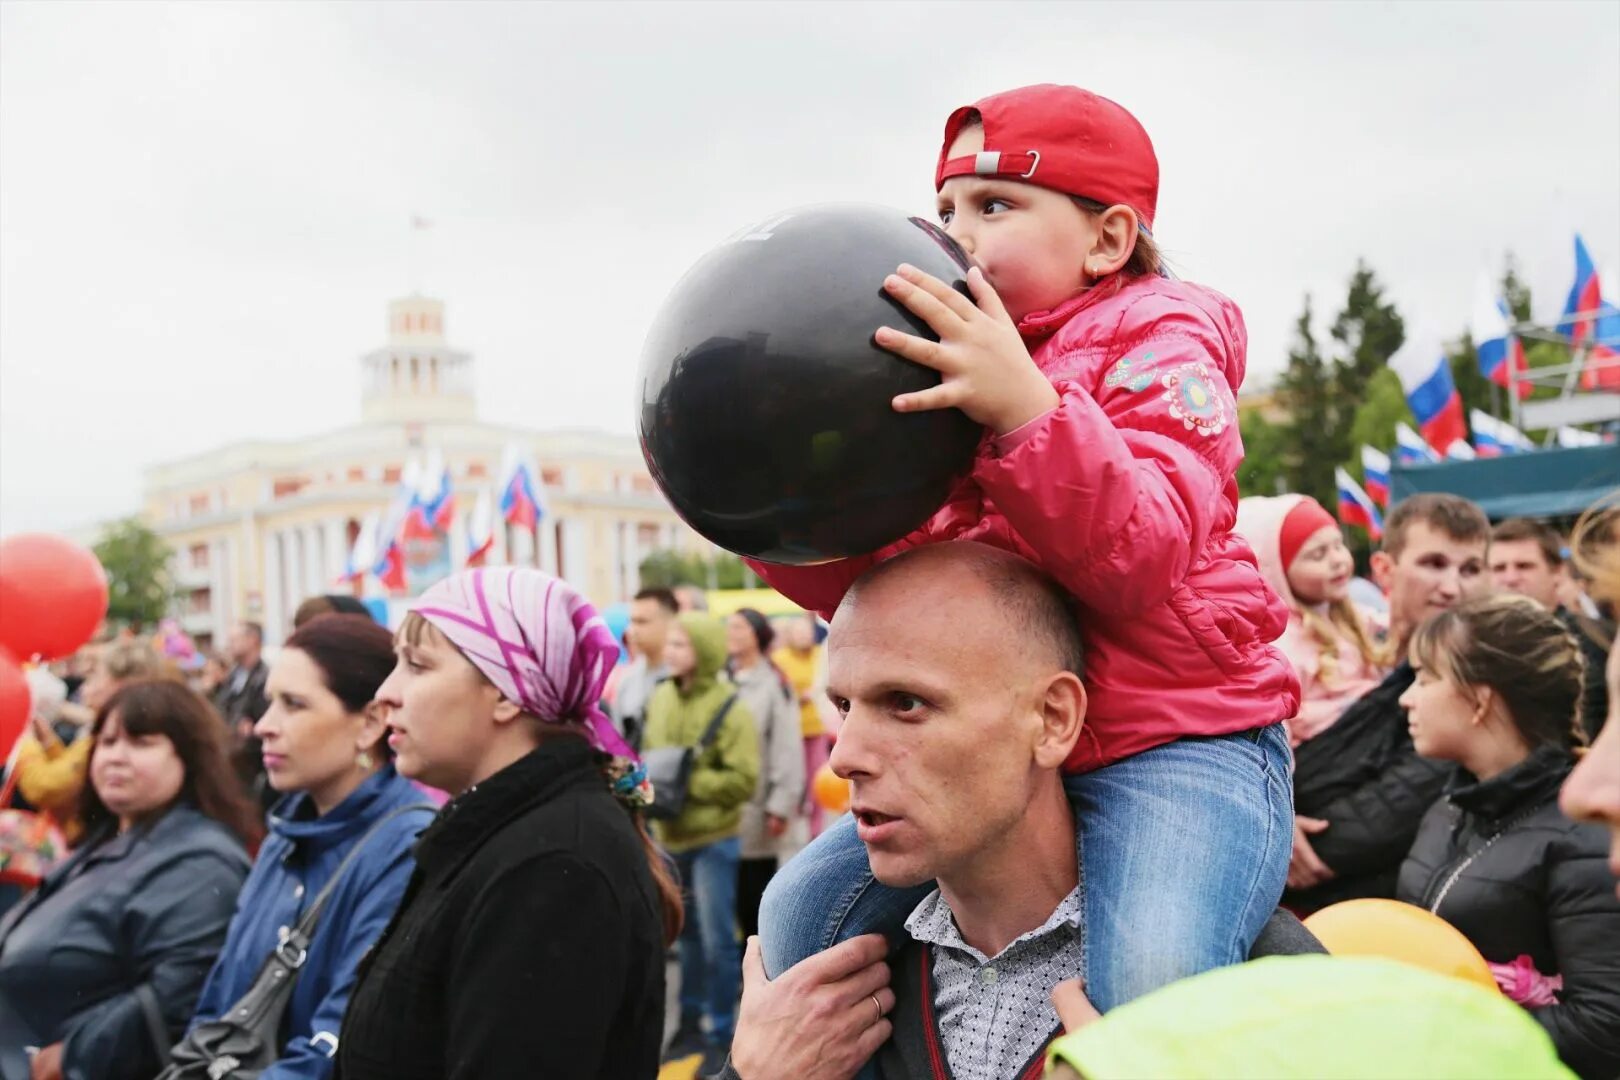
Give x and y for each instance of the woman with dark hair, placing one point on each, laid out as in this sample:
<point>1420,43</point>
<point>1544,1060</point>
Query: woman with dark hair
<point>106,958</point>
<point>324,750</point>
<point>531,938</point>
<point>780,791</point>
<point>1498,692</point>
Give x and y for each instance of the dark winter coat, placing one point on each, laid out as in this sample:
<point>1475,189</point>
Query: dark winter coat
<point>1364,778</point>
<point>146,909</point>
<point>1501,863</point>
<point>294,865</point>
<point>529,942</point>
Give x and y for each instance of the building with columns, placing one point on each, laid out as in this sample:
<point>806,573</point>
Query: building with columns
<point>259,526</point>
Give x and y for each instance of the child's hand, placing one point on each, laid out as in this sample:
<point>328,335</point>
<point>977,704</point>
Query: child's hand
<point>985,370</point>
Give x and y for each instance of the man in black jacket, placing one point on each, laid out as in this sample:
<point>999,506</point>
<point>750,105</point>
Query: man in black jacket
<point>1360,789</point>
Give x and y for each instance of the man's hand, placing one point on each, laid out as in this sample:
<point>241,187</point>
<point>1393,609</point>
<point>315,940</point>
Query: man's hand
<point>1072,1005</point>
<point>822,1020</point>
<point>1305,869</point>
<point>775,826</point>
<point>985,368</point>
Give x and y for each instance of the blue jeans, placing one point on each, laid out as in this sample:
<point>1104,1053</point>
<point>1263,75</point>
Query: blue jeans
<point>711,966</point>
<point>1183,853</point>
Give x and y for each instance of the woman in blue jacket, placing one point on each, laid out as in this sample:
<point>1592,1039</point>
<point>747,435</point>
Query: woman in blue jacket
<point>323,748</point>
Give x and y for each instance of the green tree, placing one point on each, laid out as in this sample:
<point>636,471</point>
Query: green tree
<point>1307,388</point>
<point>667,569</point>
<point>1369,331</point>
<point>1515,291</point>
<point>1383,406</point>
<point>1265,455</point>
<point>139,584</point>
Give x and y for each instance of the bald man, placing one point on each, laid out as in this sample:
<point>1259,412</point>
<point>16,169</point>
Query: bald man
<point>956,668</point>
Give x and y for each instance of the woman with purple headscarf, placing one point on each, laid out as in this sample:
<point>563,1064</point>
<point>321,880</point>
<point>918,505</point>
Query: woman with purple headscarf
<point>530,941</point>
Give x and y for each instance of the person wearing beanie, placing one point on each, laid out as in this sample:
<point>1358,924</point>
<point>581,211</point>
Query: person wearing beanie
<point>704,838</point>
<point>1330,638</point>
<point>1107,391</point>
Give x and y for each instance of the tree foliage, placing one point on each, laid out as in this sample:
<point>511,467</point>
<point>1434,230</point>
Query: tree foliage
<point>1306,454</point>
<point>1265,455</point>
<point>667,569</point>
<point>1368,331</point>
<point>139,583</point>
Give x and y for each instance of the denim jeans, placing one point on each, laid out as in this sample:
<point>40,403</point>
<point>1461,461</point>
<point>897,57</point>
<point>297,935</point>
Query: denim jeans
<point>711,965</point>
<point>1183,853</point>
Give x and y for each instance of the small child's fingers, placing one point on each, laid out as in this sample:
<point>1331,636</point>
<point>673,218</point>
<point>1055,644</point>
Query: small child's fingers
<point>961,306</point>
<point>913,348</point>
<point>943,396</point>
<point>985,295</point>
<point>927,305</point>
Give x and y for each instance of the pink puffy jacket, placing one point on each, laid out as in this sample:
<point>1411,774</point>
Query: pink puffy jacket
<point>1126,493</point>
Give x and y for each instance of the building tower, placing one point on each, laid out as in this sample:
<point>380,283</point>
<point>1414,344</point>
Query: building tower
<point>416,376</point>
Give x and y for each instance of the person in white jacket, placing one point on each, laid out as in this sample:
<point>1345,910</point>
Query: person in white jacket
<point>767,817</point>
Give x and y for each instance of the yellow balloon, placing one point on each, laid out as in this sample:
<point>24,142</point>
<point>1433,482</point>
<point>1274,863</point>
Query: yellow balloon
<point>830,790</point>
<point>1398,931</point>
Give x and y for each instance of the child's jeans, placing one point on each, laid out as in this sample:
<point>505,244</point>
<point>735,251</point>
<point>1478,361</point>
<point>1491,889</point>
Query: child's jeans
<point>1183,854</point>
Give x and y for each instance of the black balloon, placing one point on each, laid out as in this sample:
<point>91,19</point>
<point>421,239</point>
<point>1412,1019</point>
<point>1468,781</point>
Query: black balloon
<point>765,402</point>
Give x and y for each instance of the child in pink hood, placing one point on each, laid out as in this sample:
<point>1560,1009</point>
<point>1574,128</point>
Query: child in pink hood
<point>1107,390</point>
<point>1329,639</point>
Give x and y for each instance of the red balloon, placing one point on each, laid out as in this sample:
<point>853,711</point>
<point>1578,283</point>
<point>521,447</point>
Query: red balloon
<point>53,595</point>
<point>15,701</point>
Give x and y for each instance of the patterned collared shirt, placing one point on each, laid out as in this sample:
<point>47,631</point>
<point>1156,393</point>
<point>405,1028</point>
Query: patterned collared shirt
<point>995,1013</point>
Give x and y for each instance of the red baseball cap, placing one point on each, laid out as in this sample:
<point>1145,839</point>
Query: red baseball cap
<point>1063,138</point>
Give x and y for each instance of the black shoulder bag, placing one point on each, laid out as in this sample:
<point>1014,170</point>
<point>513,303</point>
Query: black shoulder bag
<point>670,768</point>
<point>247,1039</point>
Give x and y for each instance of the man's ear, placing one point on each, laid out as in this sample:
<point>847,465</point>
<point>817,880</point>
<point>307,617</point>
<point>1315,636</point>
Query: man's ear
<point>1383,571</point>
<point>1063,714</point>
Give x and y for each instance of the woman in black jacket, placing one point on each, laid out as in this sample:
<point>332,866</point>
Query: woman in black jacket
<point>106,958</point>
<point>1497,691</point>
<point>530,940</point>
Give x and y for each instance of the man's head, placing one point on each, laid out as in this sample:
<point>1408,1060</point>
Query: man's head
<point>1433,557</point>
<point>651,613</point>
<point>691,598</point>
<point>956,668</point>
<point>245,642</point>
<point>1527,558</point>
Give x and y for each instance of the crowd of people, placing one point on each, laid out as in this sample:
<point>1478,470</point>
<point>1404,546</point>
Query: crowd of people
<point>1108,731</point>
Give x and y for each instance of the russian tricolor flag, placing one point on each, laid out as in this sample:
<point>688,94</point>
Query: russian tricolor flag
<point>433,504</point>
<point>1493,437</point>
<point>1375,473</point>
<point>1425,376</point>
<point>1572,436</point>
<point>389,560</point>
<point>1590,325</point>
<point>1355,507</point>
<point>1410,449</point>
<point>1461,450</point>
<point>520,495</point>
<point>1501,355</point>
<point>363,553</point>
<point>480,530</point>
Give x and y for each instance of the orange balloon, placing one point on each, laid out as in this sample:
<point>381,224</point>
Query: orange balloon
<point>53,595</point>
<point>15,703</point>
<point>1398,931</point>
<point>830,790</point>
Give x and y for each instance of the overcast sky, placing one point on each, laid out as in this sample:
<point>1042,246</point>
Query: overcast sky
<point>205,207</point>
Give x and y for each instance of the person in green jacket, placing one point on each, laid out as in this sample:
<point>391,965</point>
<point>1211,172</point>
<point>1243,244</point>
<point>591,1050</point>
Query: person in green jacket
<point>704,838</point>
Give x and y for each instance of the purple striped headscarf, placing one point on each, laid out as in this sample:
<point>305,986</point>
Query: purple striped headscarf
<point>541,643</point>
